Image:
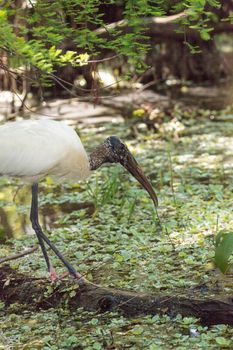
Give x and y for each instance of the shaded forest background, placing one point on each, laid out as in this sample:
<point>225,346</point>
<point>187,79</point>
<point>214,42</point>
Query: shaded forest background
<point>56,48</point>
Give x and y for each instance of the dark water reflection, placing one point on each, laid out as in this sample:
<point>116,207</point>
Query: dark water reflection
<point>15,212</point>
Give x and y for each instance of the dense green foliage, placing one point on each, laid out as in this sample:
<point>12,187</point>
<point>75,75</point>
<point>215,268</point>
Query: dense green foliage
<point>37,34</point>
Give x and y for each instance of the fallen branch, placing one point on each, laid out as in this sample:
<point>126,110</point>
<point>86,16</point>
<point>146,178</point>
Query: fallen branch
<point>165,28</point>
<point>19,255</point>
<point>33,294</point>
<point>148,20</point>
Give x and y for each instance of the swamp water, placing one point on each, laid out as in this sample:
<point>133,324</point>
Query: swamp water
<point>117,241</point>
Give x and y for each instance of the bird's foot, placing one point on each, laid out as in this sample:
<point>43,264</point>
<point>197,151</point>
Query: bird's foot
<point>52,274</point>
<point>55,277</point>
<point>79,278</point>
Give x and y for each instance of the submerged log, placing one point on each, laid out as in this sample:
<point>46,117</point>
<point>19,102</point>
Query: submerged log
<point>36,294</point>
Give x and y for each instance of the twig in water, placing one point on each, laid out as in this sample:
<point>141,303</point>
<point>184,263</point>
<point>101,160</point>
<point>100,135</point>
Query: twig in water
<point>19,255</point>
<point>164,228</point>
<point>172,175</point>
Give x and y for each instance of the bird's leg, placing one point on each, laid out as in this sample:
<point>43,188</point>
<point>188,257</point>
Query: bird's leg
<point>43,238</point>
<point>35,225</point>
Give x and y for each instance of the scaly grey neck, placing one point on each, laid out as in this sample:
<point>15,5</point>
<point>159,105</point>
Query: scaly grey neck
<point>96,158</point>
<point>102,154</point>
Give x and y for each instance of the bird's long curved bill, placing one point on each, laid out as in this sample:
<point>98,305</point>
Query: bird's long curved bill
<point>133,167</point>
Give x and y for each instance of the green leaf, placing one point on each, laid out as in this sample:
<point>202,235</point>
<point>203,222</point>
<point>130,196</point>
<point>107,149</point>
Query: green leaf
<point>223,250</point>
<point>137,330</point>
<point>214,3</point>
<point>154,347</point>
<point>97,346</point>
<point>204,34</point>
<point>223,342</point>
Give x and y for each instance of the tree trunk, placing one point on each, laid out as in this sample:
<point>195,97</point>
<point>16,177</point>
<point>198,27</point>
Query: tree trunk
<point>175,60</point>
<point>32,293</point>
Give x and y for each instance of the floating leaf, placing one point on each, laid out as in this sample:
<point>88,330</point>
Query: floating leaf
<point>223,342</point>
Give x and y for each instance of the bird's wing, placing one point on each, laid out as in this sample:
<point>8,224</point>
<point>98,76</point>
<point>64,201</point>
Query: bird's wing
<point>33,148</point>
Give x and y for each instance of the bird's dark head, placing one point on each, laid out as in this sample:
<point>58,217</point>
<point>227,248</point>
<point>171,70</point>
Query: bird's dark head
<point>113,150</point>
<point>117,151</point>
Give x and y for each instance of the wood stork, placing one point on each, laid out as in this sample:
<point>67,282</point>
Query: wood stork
<point>33,149</point>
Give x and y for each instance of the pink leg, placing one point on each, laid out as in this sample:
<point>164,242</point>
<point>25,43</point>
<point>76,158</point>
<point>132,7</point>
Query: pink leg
<point>78,276</point>
<point>52,274</point>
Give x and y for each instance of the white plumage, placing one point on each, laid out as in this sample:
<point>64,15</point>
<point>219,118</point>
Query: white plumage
<point>32,149</point>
